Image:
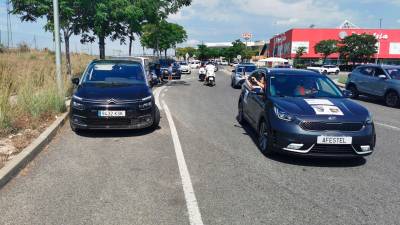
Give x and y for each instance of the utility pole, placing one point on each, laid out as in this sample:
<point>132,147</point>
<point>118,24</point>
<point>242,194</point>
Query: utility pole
<point>380,23</point>
<point>34,41</point>
<point>58,47</point>
<point>9,30</point>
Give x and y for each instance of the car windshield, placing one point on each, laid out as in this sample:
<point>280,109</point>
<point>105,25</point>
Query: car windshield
<point>303,86</point>
<point>115,73</point>
<point>394,73</point>
<point>247,69</point>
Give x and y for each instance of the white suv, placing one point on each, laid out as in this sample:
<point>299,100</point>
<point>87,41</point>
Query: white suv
<point>325,69</point>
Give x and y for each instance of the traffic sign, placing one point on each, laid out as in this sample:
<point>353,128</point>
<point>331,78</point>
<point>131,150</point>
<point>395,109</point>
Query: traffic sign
<point>247,35</point>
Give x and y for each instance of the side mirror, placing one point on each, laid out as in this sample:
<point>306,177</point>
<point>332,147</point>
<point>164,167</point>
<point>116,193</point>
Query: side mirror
<point>347,94</point>
<point>258,91</point>
<point>75,80</point>
<point>233,71</point>
<point>382,77</point>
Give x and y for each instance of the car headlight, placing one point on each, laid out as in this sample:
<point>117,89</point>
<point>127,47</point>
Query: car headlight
<point>369,119</point>
<point>78,105</point>
<point>147,98</point>
<point>282,114</point>
<point>145,105</point>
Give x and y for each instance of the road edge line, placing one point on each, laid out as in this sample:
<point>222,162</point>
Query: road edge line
<point>15,165</point>
<point>387,126</point>
<point>190,197</point>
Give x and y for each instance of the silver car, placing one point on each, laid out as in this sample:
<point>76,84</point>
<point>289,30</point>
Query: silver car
<point>382,81</point>
<point>240,72</point>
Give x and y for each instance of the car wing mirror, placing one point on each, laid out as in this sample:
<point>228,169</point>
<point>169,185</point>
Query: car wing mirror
<point>258,91</point>
<point>347,94</point>
<point>75,80</point>
<point>233,71</point>
<point>382,77</point>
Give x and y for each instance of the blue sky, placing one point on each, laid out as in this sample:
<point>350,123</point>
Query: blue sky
<point>226,20</point>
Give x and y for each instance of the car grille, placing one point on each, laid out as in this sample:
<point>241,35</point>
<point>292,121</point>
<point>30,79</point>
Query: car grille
<point>321,126</point>
<point>109,122</point>
<point>333,149</point>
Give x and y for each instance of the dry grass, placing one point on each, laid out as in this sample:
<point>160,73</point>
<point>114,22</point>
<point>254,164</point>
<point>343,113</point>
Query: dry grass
<point>28,91</point>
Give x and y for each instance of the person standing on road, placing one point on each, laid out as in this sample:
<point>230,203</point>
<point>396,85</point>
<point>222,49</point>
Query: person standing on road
<point>170,71</point>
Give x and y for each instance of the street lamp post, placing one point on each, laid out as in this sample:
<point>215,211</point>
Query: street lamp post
<point>58,47</point>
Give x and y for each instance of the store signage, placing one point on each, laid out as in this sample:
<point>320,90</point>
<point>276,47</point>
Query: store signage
<point>280,39</point>
<point>378,36</point>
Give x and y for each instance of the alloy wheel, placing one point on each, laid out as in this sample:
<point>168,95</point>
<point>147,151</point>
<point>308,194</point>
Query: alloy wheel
<point>392,99</point>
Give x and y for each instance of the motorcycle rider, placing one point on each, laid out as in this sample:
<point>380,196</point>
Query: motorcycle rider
<point>209,70</point>
<point>202,70</point>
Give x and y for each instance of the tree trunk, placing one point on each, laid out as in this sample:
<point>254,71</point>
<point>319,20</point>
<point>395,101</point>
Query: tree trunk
<point>131,39</point>
<point>67,55</point>
<point>165,53</point>
<point>102,47</point>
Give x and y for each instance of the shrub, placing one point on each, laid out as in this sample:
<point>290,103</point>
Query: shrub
<point>6,83</point>
<point>23,47</point>
<point>2,48</point>
<point>44,101</point>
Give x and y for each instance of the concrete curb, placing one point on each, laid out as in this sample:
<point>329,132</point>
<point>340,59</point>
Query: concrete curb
<point>13,167</point>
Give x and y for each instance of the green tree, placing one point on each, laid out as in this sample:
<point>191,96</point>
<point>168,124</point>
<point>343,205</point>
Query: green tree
<point>358,48</point>
<point>181,52</point>
<point>202,52</point>
<point>71,14</point>
<point>162,36</point>
<point>326,48</point>
<point>299,53</point>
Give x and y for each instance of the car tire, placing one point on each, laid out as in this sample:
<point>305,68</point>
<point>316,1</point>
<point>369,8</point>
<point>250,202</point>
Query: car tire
<point>325,72</point>
<point>240,116</point>
<point>354,91</point>
<point>264,139</point>
<point>156,120</point>
<point>392,99</point>
<point>337,72</point>
<point>73,128</point>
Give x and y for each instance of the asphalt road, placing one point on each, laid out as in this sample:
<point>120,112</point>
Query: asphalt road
<point>134,177</point>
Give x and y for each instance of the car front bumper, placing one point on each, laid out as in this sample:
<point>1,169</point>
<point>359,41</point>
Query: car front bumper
<point>135,118</point>
<point>284,134</point>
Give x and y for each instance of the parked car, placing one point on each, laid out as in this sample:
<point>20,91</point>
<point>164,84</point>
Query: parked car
<point>113,94</point>
<point>195,64</point>
<point>382,81</point>
<point>176,72</point>
<point>325,69</point>
<point>303,113</point>
<point>240,72</point>
<point>224,63</point>
<point>185,68</point>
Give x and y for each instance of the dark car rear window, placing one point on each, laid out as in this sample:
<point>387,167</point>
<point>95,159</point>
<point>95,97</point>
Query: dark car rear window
<point>115,73</point>
<point>247,69</point>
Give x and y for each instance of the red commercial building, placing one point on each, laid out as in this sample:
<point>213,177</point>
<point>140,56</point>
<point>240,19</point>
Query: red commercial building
<point>285,45</point>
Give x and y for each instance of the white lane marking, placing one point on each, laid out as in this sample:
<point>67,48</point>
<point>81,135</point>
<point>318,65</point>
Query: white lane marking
<point>388,126</point>
<point>191,202</point>
<point>156,94</point>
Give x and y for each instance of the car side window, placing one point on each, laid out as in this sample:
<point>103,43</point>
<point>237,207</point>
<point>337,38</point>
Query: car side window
<point>367,71</point>
<point>379,71</point>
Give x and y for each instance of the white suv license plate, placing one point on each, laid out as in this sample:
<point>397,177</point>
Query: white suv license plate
<point>106,113</point>
<point>329,140</point>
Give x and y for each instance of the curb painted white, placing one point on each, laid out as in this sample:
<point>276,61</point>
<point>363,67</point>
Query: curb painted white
<point>12,168</point>
<point>191,201</point>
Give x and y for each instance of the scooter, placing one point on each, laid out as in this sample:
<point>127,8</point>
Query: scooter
<point>210,78</point>
<point>202,74</point>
